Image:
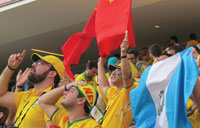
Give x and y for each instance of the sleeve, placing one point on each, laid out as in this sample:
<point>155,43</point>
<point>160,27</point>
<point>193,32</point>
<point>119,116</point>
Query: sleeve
<point>195,119</point>
<point>107,93</point>
<point>18,97</point>
<point>59,117</point>
<point>131,87</point>
<point>46,118</point>
<point>79,78</point>
<point>110,91</point>
<point>102,95</point>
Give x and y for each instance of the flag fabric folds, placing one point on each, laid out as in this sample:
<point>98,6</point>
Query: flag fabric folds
<point>160,99</point>
<point>113,18</point>
<point>108,24</point>
<point>77,44</point>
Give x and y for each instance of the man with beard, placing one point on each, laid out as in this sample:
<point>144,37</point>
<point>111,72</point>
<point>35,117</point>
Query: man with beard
<point>45,74</point>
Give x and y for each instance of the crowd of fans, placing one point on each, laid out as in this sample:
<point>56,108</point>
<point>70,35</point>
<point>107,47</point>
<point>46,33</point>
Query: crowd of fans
<point>45,96</point>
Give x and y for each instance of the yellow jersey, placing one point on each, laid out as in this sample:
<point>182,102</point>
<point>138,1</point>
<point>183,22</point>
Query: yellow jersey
<point>61,119</point>
<point>29,113</point>
<point>83,77</point>
<point>195,119</point>
<point>118,112</point>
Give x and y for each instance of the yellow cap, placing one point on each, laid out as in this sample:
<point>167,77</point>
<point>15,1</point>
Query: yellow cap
<point>89,92</point>
<point>54,61</point>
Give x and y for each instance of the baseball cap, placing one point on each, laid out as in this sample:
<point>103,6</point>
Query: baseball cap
<point>89,92</point>
<point>53,60</point>
<point>112,61</point>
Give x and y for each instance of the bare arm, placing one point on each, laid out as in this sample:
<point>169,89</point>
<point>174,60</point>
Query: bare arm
<point>48,100</point>
<point>103,81</point>
<point>126,69</point>
<point>7,98</point>
<point>4,80</point>
<point>21,79</point>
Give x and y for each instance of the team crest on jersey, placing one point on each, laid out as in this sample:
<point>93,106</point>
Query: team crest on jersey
<point>161,103</point>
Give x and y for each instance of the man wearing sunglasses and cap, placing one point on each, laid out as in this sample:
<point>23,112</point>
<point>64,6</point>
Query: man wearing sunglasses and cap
<point>45,73</point>
<point>78,99</point>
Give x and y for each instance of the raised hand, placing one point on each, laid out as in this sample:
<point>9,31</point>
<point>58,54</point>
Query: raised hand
<point>124,46</point>
<point>102,60</point>
<point>22,77</point>
<point>15,60</point>
<point>75,83</point>
<point>65,79</point>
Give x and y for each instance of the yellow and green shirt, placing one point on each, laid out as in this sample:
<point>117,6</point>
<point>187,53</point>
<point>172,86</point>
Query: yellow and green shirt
<point>118,112</point>
<point>61,119</point>
<point>195,119</point>
<point>83,77</point>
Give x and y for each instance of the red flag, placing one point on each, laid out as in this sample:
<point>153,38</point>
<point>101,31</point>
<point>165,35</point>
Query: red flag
<point>113,18</point>
<point>109,22</point>
<point>76,45</point>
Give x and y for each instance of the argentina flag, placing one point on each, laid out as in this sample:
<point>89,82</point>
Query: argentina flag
<point>160,99</point>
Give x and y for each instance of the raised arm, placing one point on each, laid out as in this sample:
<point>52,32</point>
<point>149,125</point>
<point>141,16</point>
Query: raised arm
<point>103,81</point>
<point>48,100</point>
<point>7,98</point>
<point>126,69</point>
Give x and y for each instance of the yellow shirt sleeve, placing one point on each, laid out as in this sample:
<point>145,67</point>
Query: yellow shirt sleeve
<point>102,95</point>
<point>58,104</point>
<point>18,97</point>
<point>195,119</point>
<point>189,104</point>
<point>131,87</point>
<point>60,117</point>
<point>80,78</point>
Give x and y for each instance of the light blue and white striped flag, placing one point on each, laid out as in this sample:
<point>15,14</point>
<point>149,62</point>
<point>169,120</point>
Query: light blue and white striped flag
<point>160,99</point>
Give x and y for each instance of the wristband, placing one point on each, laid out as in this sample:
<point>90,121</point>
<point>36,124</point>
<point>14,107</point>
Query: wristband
<point>66,87</point>
<point>11,68</point>
<point>19,86</point>
<point>123,57</point>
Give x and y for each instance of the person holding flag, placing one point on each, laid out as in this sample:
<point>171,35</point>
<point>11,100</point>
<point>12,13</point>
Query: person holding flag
<point>164,89</point>
<point>118,112</point>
